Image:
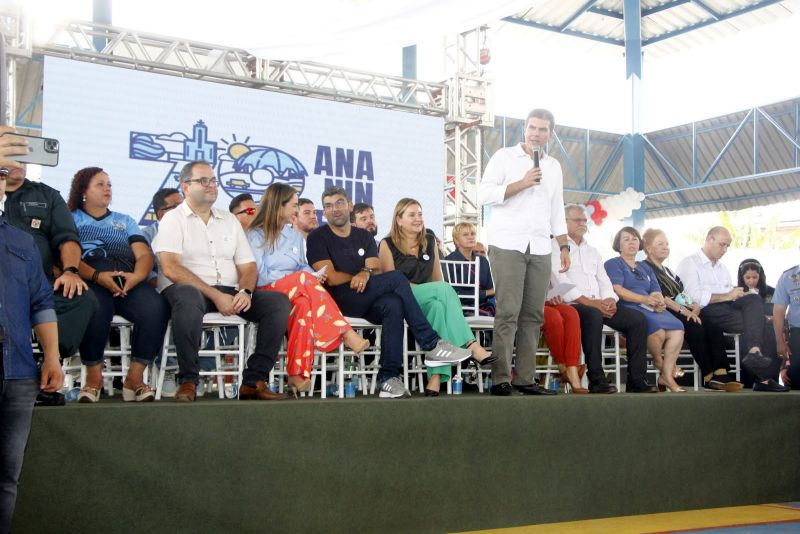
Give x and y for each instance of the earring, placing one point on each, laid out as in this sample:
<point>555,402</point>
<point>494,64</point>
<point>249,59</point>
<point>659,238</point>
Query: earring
<point>84,198</point>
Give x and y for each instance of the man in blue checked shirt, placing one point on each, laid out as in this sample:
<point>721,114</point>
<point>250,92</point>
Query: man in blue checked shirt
<point>26,299</point>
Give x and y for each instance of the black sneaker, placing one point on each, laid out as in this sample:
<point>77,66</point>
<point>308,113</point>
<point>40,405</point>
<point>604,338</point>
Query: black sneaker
<point>723,383</point>
<point>503,389</point>
<point>770,386</point>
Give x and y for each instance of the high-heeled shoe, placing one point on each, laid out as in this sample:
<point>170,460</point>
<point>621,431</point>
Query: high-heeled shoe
<point>360,348</point>
<point>662,387</point>
<point>578,390</point>
<point>295,391</point>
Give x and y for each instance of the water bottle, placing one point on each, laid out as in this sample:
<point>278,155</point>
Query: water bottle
<point>457,386</point>
<point>275,385</point>
<point>332,390</point>
<point>555,383</point>
<point>72,394</point>
<point>488,384</point>
<point>355,379</point>
<point>349,389</point>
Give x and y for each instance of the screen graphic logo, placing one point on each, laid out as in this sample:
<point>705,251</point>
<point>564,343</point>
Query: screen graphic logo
<point>241,167</point>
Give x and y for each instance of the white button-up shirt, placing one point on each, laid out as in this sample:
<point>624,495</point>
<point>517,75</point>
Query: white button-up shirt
<point>210,250</point>
<point>586,271</point>
<point>701,278</point>
<point>531,216</point>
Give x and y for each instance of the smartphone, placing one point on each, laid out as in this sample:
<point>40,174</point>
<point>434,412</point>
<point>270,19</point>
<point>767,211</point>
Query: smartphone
<point>41,151</point>
<point>120,281</point>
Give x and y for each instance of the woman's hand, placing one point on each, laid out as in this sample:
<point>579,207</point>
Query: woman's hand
<point>555,301</point>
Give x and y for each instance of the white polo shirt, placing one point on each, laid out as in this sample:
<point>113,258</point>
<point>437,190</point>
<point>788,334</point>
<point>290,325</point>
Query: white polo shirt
<point>701,278</point>
<point>532,215</point>
<point>209,250</point>
<point>586,271</point>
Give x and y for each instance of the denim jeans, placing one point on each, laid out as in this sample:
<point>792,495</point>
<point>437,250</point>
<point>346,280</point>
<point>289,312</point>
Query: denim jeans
<point>143,307</point>
<point>269,309</point>
<point>16,408</point>
<point>387,301</point>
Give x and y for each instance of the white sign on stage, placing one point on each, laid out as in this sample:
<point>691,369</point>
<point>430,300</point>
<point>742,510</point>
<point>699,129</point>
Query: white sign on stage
<point>141,128</point>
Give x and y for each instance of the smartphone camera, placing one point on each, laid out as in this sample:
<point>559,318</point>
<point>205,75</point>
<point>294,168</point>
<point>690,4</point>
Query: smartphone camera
<point>51,145</point>
<point>120,281</point>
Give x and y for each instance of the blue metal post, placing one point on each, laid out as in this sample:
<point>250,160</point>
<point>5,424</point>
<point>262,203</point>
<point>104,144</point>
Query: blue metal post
<point>410,63</point>
<point>633,143</point>
<point>101,13</point>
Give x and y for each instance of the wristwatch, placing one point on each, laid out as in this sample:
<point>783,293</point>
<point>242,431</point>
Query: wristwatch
<point>70,269</point>
<point>248,292</point>
<point>367,270</point>
<point>563,247</point>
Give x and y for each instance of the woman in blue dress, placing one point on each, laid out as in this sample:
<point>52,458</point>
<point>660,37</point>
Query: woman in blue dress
<point>637,287</point>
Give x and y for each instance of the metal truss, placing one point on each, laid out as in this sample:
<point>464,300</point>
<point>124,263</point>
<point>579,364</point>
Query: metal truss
<point>109,45</point>
<point>468,114</point>
<point>590,7</point>
<point>682,182</point>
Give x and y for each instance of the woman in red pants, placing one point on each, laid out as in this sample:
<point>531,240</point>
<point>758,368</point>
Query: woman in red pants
<point>562,331</point>
<point>315,322</point>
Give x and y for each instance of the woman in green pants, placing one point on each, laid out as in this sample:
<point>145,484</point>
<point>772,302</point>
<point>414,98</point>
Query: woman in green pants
<point>412,250</point>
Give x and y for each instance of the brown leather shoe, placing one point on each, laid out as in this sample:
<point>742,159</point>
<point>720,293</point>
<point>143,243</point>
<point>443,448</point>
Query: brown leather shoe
<point>186,393</point>
<point>260,392</point>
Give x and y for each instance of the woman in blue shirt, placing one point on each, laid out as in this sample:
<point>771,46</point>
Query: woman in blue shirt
<point>115,260</point>
<point>637,287</point>
<point>315,322</point>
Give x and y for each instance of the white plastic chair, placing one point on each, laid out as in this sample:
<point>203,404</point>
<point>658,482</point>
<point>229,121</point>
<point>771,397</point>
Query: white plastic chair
<point>213,323</point>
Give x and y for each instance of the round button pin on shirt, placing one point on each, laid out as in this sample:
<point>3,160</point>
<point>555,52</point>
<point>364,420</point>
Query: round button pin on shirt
<point>361,252</point>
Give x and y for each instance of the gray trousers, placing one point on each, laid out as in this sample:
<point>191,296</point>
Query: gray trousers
<point>520,282</point>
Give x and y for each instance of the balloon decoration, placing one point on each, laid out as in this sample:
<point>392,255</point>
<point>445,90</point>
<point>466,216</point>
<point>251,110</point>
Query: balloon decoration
<point>617,206</point>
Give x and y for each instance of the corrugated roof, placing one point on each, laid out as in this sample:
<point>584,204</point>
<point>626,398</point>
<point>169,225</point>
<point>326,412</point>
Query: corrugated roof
<point>666,25</point>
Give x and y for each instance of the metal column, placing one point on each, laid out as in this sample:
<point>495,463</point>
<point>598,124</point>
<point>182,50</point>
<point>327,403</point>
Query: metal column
<point>633,143</point>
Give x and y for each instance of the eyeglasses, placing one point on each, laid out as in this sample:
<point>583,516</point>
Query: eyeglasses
<point>205,181</point>
<point>169,207</point>
<point>339,204</point>
<point>249,211</point>
<point>637,274</point>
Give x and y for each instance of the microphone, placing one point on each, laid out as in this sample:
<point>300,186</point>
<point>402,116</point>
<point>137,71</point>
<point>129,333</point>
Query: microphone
<point>535,149</point>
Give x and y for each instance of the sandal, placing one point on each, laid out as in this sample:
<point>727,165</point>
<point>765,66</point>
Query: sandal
<point>143,393</point>
<point>89,394</point>
<point>678,372</point>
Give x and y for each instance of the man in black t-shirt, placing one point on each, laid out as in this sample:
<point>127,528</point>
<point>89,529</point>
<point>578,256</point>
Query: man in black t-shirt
<point>351,258</point>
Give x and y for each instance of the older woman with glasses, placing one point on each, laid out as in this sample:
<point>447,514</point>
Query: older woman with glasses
<point>637,287</point>
<point>315,322</point>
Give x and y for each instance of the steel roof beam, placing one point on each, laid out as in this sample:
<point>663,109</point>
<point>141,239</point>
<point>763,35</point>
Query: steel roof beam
<point>556,29</point>
<point>702,24</point>
<point>727,146</point>
<point>710,202</point>
<point>728,181</point>
<point>663,7</point>
<point>704,7</point>
<point>583,9</point>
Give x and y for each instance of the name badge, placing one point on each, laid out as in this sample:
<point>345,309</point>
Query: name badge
<point>36,223</point>
<point>361,252</point>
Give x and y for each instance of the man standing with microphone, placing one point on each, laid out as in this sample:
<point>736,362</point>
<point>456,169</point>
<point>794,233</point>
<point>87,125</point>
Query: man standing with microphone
<point>524,186</point>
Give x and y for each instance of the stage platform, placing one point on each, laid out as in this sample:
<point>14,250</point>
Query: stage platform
<point>418,465</point>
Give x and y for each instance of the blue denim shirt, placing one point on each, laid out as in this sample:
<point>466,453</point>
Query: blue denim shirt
<point>26,300</point>
<point>289,255</point>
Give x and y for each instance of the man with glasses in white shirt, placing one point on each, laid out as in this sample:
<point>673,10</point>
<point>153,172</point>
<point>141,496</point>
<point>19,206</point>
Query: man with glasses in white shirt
<point>707,281</point>
<point>596,303</point>
<point>207,266</point>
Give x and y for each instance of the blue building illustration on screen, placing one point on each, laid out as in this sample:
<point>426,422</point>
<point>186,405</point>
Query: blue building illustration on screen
<point>240,167</point>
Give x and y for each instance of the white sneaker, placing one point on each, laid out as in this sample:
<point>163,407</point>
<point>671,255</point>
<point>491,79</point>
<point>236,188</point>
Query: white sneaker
<point>170,385</point>
<point>393,388</point>
<point>445,353</point>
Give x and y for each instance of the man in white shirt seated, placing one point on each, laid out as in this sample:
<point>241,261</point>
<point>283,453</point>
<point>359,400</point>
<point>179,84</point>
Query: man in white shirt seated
<point>707,282</point>
<point>596,302</point>
<point>206,265</point>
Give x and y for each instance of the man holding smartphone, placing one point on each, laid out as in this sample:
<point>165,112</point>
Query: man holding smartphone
<point>39,210</point>
<point>25,304</point>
